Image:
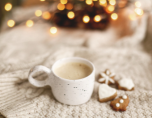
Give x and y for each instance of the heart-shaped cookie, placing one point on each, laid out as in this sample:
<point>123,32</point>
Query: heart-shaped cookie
<point>106,93</point>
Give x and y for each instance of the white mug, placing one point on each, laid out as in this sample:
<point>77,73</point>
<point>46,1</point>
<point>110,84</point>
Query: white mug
<point>71,92</point>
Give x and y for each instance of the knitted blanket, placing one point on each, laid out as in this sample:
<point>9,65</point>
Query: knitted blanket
<point>23,48</point>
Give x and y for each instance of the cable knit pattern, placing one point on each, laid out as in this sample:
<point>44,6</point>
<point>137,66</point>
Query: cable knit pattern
<point>19,53</point>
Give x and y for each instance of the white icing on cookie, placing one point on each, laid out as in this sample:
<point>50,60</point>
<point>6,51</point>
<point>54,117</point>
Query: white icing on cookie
<point>112,74</point>
<point>121,101</point>
<point>126,83</point>
<point>117,105</point>
<point>101,80</point>
<point>124,97</point>
<point>107,72</point>
<point>106,91</point>
<point>107,77</point>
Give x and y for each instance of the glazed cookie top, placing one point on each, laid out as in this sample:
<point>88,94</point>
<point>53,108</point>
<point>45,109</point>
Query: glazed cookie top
<point>107,76</point>
<point>106,91</point>
<point>126,83</point>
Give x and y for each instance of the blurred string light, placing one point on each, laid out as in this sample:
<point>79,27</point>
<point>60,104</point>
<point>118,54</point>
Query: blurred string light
<point>42,0</point>
<point>64,4</point>
<point>137,4</point>
<point>103,2</point>
<point>38,13</point>
<point>89,2</point>
<point>46,15</point>
<point>97,18</point>
<point>139,11</point>
<point>29,23</point>
<point>132,17</point>
<point>86,19</point>
<point>63,1</point>
<point>69,6</point>
<point>11,23</point>
<point>71,15</point>
<point>53,30</point>
<point>61,6</point>
<point>8,6</point>
<point>112,2</point>
<point>114,16</point>
<point>110,8</point>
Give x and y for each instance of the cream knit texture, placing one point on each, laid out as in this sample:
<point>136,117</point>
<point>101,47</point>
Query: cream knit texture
<point>23,48</point>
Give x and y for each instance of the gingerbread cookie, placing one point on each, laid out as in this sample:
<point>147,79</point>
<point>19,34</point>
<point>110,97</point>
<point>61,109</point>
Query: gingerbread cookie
<point>120,104</point>
<point>125,84</point>
<point>106,93</point>
<point>107,77</point>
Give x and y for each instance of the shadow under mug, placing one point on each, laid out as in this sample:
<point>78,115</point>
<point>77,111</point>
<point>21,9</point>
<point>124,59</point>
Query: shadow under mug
<point>71,92</point>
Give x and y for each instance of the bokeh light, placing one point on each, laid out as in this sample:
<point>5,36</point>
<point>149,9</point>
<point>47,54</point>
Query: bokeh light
<point>8,6</point>
<point>69,6</point>
<point>114,16</point>
<point>97,18</point>
<point>53,30</point>
<point>42,0</point>
<point>132,17</point>
<point>86,19</point>
<point>139,11</point>
<point>46,15</point>
<point>71,15</point>
<point>29,23</point>
<point>63,1</point>
<point>110,8</point>
<point>88,2</point>
<point>11,23</point>
<point>38,13</point>
<point>112,2</point>
<point>61,6</point>
<point>137,4</point>
<point>103,2</point>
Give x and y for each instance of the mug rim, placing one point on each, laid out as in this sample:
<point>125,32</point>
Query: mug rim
<point>82,79</point>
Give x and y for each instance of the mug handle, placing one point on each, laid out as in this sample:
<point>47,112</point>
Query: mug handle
<point>35,82</point>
